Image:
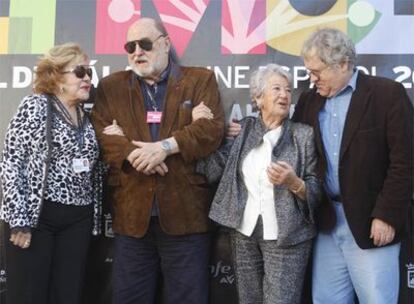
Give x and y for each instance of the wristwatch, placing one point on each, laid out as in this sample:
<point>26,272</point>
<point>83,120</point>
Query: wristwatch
<point>166,146</point>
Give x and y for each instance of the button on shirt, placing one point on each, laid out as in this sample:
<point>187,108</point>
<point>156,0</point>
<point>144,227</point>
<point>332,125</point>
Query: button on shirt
<point>332,121</point>
<point>260,199</point>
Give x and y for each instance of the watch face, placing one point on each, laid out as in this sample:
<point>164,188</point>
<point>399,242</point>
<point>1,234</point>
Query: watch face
<point>165,145</point>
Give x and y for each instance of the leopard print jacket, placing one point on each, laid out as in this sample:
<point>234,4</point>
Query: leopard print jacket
<point>25,162</point>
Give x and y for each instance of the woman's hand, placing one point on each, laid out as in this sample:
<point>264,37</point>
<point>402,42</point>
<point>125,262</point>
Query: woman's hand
<point>113,129</point>
<point>281,173</point>
<point>21,239</point>
<point>201,111</point>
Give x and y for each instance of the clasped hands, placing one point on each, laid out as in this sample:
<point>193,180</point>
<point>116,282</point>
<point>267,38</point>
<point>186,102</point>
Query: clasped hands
<point>149,157</point>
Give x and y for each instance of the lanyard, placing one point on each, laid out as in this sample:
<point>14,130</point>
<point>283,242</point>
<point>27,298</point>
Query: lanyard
<point>79,129</point>
<point>151,96</point>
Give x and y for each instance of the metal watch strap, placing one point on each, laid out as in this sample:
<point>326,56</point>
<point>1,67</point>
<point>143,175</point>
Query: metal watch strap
<point>166,146</point>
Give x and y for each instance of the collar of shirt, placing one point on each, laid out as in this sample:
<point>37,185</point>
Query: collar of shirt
<point>163,77</point>
<point>351,84</point>
<point>272,136</point>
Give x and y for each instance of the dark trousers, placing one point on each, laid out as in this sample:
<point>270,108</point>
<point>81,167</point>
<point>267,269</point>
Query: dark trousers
<point>182,260</point>
<point>51,270</point>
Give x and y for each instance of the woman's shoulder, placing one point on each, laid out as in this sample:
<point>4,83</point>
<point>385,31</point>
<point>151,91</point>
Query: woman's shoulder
<point>34,101</point>
<point>301,128</point>
<point>32,107</point>
<point>246,121</point>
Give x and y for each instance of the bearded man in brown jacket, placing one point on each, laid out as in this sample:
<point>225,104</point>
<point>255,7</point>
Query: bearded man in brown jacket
<point>160,205</point>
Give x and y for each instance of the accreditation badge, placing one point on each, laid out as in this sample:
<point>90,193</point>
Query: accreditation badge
<point>80,165</point>
<point>154,116</point>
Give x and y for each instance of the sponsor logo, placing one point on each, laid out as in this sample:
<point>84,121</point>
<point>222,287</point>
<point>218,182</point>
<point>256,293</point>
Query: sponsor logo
<point>410,275</point>
<point>108,225</point>
<point>222,272</point>
<point>3,278</point>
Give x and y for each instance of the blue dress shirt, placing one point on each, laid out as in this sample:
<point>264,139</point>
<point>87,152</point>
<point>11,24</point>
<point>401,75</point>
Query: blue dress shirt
<point>331,122</point>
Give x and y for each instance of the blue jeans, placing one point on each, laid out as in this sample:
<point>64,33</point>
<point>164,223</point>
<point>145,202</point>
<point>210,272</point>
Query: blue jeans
<point>341,268</point>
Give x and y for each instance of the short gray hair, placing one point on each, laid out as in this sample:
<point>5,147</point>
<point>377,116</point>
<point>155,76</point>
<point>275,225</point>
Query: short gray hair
<point>332,47</point>
<point>259,78</point>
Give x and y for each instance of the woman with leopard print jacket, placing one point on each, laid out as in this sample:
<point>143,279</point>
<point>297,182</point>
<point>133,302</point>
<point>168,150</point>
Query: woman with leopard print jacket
<point>51,187</point>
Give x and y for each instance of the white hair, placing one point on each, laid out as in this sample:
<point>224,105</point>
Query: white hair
<point>259,78</point>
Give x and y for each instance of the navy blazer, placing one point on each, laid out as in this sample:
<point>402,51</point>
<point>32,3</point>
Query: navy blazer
<point>376,156</point>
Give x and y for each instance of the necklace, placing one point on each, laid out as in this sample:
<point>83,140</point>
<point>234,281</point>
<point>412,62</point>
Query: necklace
<point>79,128</point>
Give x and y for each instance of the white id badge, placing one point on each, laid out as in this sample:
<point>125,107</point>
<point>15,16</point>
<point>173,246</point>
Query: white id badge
<point>80,165</point>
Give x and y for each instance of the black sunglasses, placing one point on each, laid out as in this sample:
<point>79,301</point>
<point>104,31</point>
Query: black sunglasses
<point>145,44</point>
<point>80,71</point>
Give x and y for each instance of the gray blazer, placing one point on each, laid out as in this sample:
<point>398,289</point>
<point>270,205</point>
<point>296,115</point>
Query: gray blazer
<point>295,146</point>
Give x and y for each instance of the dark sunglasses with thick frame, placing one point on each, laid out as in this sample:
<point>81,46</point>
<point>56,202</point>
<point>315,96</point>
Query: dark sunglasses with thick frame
<point>145,44</point>
<point>80,71</point>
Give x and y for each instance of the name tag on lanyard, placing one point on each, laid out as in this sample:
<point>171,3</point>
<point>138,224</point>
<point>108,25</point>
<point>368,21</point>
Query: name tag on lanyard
<point>80,165</point>
<point>154,116</point>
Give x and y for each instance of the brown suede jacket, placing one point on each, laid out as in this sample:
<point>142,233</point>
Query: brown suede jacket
<point>183,196</point>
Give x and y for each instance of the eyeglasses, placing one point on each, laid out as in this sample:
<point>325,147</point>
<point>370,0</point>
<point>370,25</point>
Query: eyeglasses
<point>145,44</point>
<point>317,73</point>
<point>80,71</point>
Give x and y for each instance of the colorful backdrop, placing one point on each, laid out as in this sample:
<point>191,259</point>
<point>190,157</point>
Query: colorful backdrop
<point>231,37</point>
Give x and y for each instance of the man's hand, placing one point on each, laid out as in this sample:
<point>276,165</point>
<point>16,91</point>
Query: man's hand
<point>381,232</point>
<point>233,129</point>
<point>147,157</point>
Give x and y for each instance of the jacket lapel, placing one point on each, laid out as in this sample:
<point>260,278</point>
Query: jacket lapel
<point>252,139</point>
<point>172,101</point>
<point>319,103</point>
<point>357,106</point>
<point>137,109</point>
<point>285,140</point>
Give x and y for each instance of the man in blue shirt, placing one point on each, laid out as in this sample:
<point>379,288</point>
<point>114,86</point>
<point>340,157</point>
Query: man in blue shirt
<point>364,138</point>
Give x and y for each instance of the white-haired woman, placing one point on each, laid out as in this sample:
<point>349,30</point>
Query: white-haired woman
<point>267,194</point>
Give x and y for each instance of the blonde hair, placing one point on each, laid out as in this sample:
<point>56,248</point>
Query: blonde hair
<point>50,67</point>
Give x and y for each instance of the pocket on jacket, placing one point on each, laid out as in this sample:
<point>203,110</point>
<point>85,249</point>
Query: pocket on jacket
<point>193,177</point>
<point>369,133</point>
